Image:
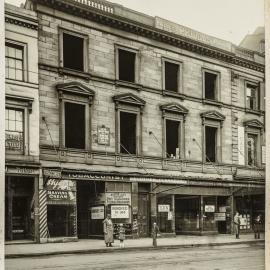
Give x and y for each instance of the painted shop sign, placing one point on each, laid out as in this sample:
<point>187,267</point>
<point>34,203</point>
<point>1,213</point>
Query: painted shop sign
<point>118,198</point>
<point>14,141</point>
<point>52,173</point>
<point>120,211</point>
<point>96,177</point>
<point>62,196</point>
<point>60,184</point>
<point>103,135</point>
<point>209,208</point>
<point>220,216</point>
<point>192,34</point>
<point>97,212</point>
<point>21,170</point>
<point>163,208</point>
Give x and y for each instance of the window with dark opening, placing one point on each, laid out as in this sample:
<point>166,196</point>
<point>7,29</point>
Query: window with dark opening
<point>252,97</point>
<point>172,138</point>
<point>171,76</point>
<point>73,52</point>
<point>128,133</point>
<point>210,144</point>
<point>210,85</point>
<point>251,149</point>
<point>126,65</point>
<point>74,125</point>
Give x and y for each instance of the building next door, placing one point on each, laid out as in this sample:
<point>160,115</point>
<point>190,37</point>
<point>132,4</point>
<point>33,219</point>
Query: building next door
<point>143,214</point>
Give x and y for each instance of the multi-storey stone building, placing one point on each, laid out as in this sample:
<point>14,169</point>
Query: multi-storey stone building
<point>146,120</point>
<point>21,124</point>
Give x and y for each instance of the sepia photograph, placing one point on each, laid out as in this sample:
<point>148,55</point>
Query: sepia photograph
<point>134,134</point>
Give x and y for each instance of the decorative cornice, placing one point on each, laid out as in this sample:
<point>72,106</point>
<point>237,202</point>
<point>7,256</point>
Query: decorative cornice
<point>174,108</point>
<point>214,115</point>
<point>253,123</point>
<point>125,24</point>
<point>21,23</point>
<point>129,98</point>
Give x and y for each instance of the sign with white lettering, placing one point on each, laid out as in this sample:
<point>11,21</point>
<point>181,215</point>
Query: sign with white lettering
<point>61,196</point>
<point>241,145</point>
<point>61,184</point>
<point>220,216</point>
<point>120,211</point>
<point>103,135</point>
<point>163,208</point>
<point>97,212</point>
<point>170,215</point>
<point>209,208</point>
<point>118,198</point>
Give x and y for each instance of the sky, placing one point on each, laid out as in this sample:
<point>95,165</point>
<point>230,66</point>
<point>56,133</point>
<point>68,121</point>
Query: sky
<point>226,19</point>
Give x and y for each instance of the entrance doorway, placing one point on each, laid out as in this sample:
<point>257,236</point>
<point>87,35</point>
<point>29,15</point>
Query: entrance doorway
<point>19,207</point>
<point>143,214</point>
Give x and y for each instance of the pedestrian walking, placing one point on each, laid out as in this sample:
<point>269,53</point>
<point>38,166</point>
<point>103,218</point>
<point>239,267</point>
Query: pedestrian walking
<point>257,226</point>
<point>236,221</point>
<point>108,231</point>
<point>155,232</point>
<point>122,235</point>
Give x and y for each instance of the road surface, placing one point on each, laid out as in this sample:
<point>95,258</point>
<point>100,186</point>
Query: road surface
<point>231,257</point>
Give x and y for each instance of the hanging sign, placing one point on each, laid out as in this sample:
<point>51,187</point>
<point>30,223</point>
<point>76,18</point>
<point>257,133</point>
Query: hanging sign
<point>209,208</point>
<point>241,145</point>
<point>118,198</point>
<point>170,215</point>
<point>60,184</point>
<point>163,208</point>
<point>120,211</point>
<point>97,212</point>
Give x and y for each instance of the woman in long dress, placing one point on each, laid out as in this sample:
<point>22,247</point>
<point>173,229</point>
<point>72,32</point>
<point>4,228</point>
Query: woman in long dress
<point>108,231</point>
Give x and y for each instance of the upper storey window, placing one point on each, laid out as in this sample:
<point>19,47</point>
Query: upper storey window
<point>252,96</point>
<point>14,61</point>
<point>126,65</point>
<point>210,85</point>
<point>73,51</point>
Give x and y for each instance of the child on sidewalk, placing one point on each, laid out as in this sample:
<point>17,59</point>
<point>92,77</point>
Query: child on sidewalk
<point>122,235</point>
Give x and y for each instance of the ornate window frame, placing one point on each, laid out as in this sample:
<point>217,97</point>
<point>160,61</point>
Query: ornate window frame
<point>129,103</point>
<point>174,112</point>
<point>75,92</point>
<point>212,119</point>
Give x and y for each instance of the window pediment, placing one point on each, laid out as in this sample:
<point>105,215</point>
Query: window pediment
<point>174,108</point>
<point>213,115</point>
<point>75,88</point>
<point>130,99</point>
<point>254,123</point>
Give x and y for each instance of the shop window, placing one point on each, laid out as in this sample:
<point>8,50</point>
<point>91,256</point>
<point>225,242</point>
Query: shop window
<point>73,50</point>
<point>14,130</point>
<point>14,61</point>
<point>128,128</point>
<point>171,76</point>
<point>252,96</point>
<point>210,85</point>
<point>172,138</point>
<point>128,133</point>
<point>74,125</point>
<point>252,149</point>
<point>210,144</point>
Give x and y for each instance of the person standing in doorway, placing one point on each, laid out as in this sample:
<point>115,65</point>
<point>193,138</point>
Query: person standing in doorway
<point>108,231</point>
<point>257,226</point>
<point>122,235</point>
<point>155,232</point>
<point>236,221</point>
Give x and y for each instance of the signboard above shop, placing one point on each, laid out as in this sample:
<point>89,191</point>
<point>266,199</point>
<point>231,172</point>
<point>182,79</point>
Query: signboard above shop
<point>120,211</point>
<point>118,198</point>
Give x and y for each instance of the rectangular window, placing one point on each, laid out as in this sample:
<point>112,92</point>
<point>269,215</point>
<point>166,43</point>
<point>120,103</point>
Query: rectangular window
<point>126,65</point>
<point>128,133</point>
<point>73,52</point>
<point>210,144</point>
<point>171,76</point>
<point>210,85</point>
<point>172,138</point>
<point>14,130</point>
<point>252,97</point>
<point>14,62</point>
<point>74,125</point>
<point>252,149</point>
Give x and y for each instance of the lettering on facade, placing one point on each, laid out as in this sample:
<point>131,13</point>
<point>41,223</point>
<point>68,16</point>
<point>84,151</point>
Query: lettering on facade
<point>163,208</point>
<point>52,173</point>
<point>209,208</point>
<point>14,141</point>
<point>192,34</point>
<point>241,145</point>
<point>60,184</point>
<point>120,211</point>
<point>97,212</point>
<point>21,170</point>
<point>118,198</point>
<point>61,196</point>
<point>95,177</point>
<point>103,135</point>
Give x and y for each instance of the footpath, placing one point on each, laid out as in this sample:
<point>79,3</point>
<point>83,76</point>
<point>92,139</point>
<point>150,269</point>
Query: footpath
<point>90,246</point>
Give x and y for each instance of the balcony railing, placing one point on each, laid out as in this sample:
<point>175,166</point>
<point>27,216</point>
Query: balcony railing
<point>101,5</point>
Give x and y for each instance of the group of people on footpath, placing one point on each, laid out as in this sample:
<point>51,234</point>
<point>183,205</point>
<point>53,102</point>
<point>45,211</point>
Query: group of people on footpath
<point>257,225</point>
<point>108,230</point>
